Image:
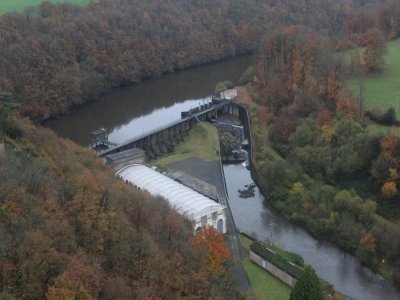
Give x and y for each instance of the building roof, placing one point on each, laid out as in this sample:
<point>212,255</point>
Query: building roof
<point>229,94</point>
<point>183,199</point>
<point>125,154</point>
<point>196,184</point>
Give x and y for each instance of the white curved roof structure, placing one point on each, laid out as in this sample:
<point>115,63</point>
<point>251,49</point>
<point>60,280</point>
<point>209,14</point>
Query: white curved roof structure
<point>183,199</point>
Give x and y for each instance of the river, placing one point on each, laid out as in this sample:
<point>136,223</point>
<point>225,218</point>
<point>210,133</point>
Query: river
<point>129,111</point>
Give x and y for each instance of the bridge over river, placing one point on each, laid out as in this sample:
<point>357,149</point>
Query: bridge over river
<point>162,140</point>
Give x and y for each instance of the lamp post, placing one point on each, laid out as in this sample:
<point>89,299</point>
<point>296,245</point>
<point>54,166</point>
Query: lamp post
<point>272,224</point>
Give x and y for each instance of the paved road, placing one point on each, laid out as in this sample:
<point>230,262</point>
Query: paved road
<point>212,173</point>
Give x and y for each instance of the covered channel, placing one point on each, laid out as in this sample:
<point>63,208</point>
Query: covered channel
<point>201,210</point>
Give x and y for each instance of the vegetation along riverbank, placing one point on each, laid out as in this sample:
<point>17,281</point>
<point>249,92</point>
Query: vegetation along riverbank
<point>317,159</point>
<point>70,229</point>
<point>59,56</point>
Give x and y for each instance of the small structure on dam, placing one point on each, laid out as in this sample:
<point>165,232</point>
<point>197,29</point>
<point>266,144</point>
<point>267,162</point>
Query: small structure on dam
<point>201,210</point>
<point>127,157</point>
<point>229,94</point>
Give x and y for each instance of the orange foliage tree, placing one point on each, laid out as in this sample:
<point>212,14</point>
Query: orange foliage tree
<point>367,241</point>
<point>215,247</point>
<point>389,190</point>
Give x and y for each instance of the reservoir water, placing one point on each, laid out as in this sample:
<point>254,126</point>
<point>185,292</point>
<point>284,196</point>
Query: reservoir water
<point>129,111</point>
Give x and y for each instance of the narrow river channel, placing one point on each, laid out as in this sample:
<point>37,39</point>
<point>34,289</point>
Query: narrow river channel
<point>129,111</point>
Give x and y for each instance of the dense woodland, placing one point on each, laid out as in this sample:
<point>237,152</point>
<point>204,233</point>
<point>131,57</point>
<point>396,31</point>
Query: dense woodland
<point>335,173</point>
<point>70,230</point>
<point>56,56</point>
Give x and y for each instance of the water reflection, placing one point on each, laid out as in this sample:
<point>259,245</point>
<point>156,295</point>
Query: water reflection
<point>155,102</point>
<point>157,118</point>
<point>253,216</point>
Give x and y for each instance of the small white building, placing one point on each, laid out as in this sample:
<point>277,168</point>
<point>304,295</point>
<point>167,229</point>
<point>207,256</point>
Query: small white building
<point>201,210</point>
<point>229,94</point>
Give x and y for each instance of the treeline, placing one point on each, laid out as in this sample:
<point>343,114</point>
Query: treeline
<point>70,230</point>
<point>383,16</point>
<point>56,56</point>
<point>334,174</point>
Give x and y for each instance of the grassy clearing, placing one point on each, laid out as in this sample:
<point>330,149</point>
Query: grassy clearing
<point>202,142</point>
<point>265,286</point>
<point>382,89</point>
<point>19,5</point>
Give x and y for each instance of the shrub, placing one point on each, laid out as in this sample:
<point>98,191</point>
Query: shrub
<point>247,76</point>
<point>382,117</point>
<point>223,86</point>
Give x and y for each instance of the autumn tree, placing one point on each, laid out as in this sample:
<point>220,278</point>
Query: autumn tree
<point>389,190</point>
<point>367,241</point>
<point>74,231</point>
<point>213,242</point>
<point>375,50</point>
<point>7,126</point>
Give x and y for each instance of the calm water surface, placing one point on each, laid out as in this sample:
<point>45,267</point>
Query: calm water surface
<point>130,111</point>
<point>344,271</point>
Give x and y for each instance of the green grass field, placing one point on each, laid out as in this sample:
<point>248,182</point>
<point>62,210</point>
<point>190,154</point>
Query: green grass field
<point>265,286</point>
<point>202,142</point>
<point>20,5</point>
<point>382,89</point>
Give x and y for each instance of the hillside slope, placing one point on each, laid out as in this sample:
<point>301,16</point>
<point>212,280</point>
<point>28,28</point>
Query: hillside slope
<point>69,229</point>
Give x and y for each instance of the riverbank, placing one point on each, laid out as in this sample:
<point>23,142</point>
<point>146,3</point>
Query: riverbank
<point>265,285</point>
<point>263,156</point>
<point>163,100</point>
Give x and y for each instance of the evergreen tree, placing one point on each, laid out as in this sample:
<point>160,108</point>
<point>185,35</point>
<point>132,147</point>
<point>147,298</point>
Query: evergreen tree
<point>308,287</point>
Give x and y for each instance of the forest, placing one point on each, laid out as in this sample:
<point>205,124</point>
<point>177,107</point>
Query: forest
<point>54,57</point>
<point>325,164</point>
<point>69,229</point>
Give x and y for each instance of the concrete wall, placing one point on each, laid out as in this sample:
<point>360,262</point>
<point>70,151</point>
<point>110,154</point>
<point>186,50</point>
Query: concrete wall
<point>120,163</point>
<point>228,94</point>
<point>278,273</point>
<point>211,221</point>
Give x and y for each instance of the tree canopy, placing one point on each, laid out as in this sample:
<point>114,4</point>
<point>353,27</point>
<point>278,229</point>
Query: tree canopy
<point>307,287</point>
<point>70,230</point>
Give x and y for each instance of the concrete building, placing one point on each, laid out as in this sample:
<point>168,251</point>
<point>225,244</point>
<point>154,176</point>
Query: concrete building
<point>201,210</point>
<point>229,94</point>
<point>123,158</point>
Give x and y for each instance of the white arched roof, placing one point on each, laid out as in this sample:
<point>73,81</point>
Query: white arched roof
<point>183,199</point>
